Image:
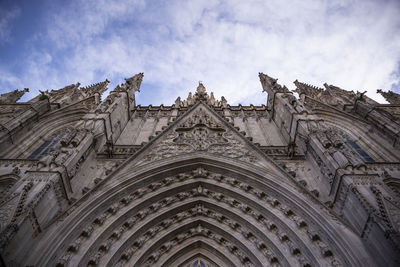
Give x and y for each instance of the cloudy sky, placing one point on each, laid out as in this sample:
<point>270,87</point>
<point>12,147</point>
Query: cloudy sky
<point>48,44</point>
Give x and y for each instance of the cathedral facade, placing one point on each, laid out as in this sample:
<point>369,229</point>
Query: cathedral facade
<point>312,180</point>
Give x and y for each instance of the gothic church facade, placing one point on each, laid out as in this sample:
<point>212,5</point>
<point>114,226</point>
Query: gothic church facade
<point>312,180</point>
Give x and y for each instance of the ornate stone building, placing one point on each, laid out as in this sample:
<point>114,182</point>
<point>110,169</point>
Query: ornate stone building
<point>308,181</point>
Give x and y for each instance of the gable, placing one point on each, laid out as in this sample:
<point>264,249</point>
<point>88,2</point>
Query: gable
<point>199,130</point>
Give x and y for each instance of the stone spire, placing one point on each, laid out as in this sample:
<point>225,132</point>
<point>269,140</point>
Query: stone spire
<point>134,82</point>
<point>271,85</point>
<point>98,88</point>
<point>307,89</point>
<point>348,97</point>
<point>12,97</point>
<point>390,96</point>
<point>64,96</point>
<point>131,86</point>
<point>73,93</point>
<point>331,95</point>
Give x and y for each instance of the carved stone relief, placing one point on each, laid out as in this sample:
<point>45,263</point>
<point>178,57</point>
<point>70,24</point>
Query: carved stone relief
<point>198,210</point>
<point>200,132</point>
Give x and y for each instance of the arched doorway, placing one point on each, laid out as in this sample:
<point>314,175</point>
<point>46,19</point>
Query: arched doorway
<point>226,211</point>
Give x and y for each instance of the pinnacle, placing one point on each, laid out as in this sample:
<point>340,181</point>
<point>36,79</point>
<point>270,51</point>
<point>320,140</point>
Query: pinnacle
<point>201,89</point>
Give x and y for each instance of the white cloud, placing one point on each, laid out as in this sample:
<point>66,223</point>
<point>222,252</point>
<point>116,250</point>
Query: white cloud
<point>351,44</point>
<point>81,21</point>
<point>6,17</point>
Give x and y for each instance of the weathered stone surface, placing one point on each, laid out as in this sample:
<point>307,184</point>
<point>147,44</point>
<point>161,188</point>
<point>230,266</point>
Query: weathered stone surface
<point>313,181</point>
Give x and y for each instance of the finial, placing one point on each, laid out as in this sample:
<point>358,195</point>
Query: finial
<point>201,89</point>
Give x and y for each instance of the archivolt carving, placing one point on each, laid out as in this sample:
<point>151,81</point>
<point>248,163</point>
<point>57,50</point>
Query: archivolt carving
<point>197,231</point>
<point>7,182</point>
<point>201,190</point>
<point>388,210</point>
<point>7,212</point>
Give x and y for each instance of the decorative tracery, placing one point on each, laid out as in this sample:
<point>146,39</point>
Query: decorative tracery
<point>200,132</point>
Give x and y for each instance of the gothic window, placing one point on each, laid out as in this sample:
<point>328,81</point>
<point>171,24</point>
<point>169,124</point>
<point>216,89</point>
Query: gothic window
<point>198,263</point>
<point>45,148</point>
<point>62,137</point>
<point>360,151</point>
<point>357,149</point>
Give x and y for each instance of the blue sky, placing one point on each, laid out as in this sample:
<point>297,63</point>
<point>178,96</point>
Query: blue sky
<point>353,44</point>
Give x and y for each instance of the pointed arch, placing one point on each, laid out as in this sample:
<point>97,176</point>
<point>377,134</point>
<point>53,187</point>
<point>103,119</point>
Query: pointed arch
<point>266,218</point>
<point>6,181</point>
<point>361,133</point>
<point>198,250</point>
<point>47,124</point>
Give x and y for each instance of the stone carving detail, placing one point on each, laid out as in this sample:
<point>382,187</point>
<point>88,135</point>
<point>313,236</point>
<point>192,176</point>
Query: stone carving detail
<point>68,94</point>
<point>55,158</point>
<point>200,117</point>
<point>332,96</point>
<point>195,231</point>
<point>198,210</point>
<point>324,96</point>
<point>200,95</point>
<point>328,137</point>
<point>390,97</point>
<point>388,210</point>
<point>304,137</point>
<point>74,93</point>
<point>307,89</point>
<point>200,133</point>
<point>7,212</point>
<point>12,97</point>
<point>7,234</point>
<point>272,84</point>
<point>106,104</point>
<point>200,139</point>
<point>132,83</point>
<point>98,88</point>
<point>337,146</point>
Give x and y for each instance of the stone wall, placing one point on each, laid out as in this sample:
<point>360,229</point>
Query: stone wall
<point>308,181</point>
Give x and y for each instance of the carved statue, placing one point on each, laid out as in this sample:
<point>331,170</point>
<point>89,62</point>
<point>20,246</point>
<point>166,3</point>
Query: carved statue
<point>178,102</point>
<point>201,89</point>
